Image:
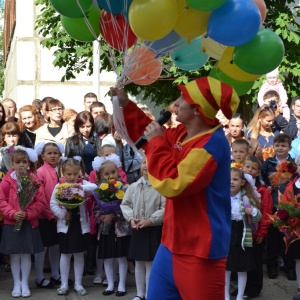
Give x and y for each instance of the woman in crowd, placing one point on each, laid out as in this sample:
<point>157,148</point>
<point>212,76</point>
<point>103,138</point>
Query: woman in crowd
<point>56,130</point>
<point>236,125</point>
<point>69,116</point>
<point>261,128</point>
<point>29,121</point>
<point>83,143</point>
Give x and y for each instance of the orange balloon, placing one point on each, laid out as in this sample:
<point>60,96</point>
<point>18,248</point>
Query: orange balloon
<point>142,67</point>
<point>262,8</point>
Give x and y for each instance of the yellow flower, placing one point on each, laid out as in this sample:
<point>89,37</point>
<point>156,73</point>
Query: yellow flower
<point>104,186</point>
<point>118,184</point>
<point>120,194</point>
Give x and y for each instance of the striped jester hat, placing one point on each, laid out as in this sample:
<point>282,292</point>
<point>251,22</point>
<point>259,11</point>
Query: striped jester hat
<point>209,95</point>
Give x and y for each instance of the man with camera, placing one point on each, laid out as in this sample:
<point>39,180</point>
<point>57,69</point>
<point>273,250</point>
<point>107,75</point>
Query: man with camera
<point>272,99</point>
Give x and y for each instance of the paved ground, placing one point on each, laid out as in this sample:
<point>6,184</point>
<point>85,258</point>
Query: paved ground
<point>275,289</point>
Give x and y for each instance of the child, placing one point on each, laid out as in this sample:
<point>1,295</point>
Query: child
<point>244,212</point>
<point>104,151</point>
<point>143,207</point>
<point>282,146</point>
<point>274,83</point>
<point>20,244</point>
<point>240,150</point>
<point>252,166</point>
<point>292,190</point>
<point>72,239</point>
<point>47,174</point>
<point>115,230</point>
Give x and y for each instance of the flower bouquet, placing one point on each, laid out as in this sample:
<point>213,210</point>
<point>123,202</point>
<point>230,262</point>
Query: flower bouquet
<point>236,165</point>
<point>6,153</point>
<point>268,152</point>
<point>286,219</point>
<point>70,196</point>
<point>108,196</point>
<point>285,171</point>
<point>27,187</point>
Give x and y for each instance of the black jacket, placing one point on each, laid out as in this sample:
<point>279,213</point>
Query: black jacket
<point>72,149</point>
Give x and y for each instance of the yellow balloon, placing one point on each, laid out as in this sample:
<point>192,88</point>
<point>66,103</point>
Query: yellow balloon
<point>151,20</point>
<point>212,48</point>
<point>191,23</point>
<point>228,67</point>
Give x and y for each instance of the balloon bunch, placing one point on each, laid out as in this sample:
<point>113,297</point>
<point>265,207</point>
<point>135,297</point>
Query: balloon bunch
<point>190,31</point>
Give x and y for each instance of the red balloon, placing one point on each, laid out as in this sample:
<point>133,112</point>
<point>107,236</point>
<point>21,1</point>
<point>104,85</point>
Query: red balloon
<point>262,8</point>
<point>116,31</point>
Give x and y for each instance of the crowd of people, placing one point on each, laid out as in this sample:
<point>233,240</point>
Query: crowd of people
<point>195,208</point>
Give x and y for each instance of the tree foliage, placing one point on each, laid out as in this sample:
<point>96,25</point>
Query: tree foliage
<point>77,57</point>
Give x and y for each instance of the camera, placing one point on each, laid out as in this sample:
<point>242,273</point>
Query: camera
<point>273,104</point>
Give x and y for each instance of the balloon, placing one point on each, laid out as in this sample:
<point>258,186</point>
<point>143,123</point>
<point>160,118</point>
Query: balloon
<point>116,32</point>
<point>205,5</point>
<point>212,48</point>
<point>228,67</point>
<point>235,23</point>
<point>262,8</point>
<point>112,6</point>
<point>152,19</point>
<point>188,56</point>
<point>70,8</point>
<point>261,55</point>
<point>142,67</point>
<point>191,23</point>
<point>164,45</point>
<point>240,87</point>
<point>78,28</point>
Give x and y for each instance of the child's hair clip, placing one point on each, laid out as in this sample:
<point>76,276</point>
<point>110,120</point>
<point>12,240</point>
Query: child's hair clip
<point>78,158</point>
<point>32,154</point>
<point>63,159</point>
<point>39,147</point>
<point>60,147</point>
<point>115,159</point>
<point>97,163</point>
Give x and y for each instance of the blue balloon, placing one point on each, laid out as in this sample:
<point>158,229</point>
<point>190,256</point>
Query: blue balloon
<point>125,11</point>
<point>114,7</point>
<point>189,56</point>
<point>235,23</point>
<point>164,45</point>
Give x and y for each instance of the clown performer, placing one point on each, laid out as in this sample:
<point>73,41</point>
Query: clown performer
<point>190,166</point>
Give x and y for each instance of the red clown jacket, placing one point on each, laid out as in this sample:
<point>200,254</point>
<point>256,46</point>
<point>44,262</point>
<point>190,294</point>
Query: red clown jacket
<point>194,176</point>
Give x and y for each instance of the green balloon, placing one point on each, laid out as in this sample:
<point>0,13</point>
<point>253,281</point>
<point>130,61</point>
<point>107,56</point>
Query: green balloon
<point>78,28</point>
<point>70,8</point>
<point>261,55</point>
<point>240,87</point>
<point>205,5</point>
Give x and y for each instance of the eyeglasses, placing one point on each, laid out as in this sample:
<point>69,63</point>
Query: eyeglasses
<point>56,109</point>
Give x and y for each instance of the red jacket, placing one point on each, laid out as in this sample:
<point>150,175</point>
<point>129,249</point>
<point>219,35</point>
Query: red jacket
<point>48,177</point>
<point>9,203</point>
<point>266,207</point>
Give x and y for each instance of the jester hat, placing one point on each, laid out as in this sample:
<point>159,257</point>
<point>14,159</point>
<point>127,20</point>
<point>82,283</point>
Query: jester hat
<point>209,95</point>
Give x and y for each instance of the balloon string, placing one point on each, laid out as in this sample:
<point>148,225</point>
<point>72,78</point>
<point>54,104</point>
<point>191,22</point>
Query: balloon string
<point>120,125</point>
<point>87,22</point>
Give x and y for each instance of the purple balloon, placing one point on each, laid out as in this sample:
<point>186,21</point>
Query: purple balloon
<point>235,23</point>
<point>164,45</point>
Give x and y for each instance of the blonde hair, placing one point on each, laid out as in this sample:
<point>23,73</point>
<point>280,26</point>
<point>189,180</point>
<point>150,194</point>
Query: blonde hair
<point>98,173</point>
<point>255,126</point>
<point>68,114</point>
<point>70,162</point>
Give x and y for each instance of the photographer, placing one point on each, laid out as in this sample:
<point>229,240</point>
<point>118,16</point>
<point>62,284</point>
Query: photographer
<point>272,99</point>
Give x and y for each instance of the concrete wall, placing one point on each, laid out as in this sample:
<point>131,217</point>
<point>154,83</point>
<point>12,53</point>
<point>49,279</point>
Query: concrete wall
<point>29,72</point>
